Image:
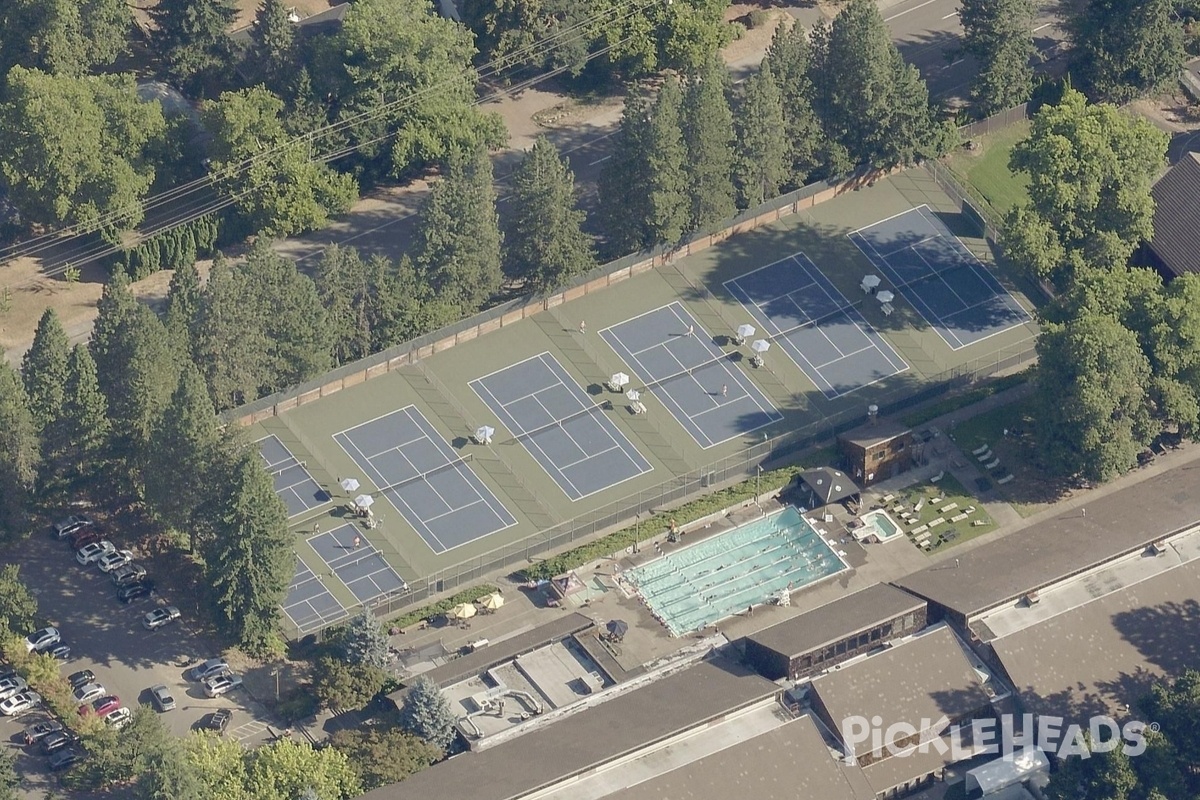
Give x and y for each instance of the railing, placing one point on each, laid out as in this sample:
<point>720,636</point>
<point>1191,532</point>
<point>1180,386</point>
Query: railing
<point>1001,119</point>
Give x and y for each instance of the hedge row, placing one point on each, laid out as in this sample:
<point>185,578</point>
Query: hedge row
<point>658,523</point>
<point>170,249</point>
<point>435,610</point>
<point>964,399</point>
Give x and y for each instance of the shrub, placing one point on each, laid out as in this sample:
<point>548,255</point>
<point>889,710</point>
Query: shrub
<point>340,686</point>
<point>757,18</point>
<point>297,706</point>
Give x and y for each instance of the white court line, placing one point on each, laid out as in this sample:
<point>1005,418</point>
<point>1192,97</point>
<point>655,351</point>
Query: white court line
<point>909,10</point>
<point>851,354</point>
<point>423,478</point>
<point>562,427</point>
<point>948,16</point>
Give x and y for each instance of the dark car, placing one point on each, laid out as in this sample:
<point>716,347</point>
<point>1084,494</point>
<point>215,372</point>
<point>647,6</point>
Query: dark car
<point>129,573</point>
<point>81,678</point>
<point>219,720</point>
<point>85,536</point>
<point>135,591</point>
<point>57,740</point>
<point>65,527</point>
<point>60,651</point>
<point>40,730</point>
<point>65,759</point>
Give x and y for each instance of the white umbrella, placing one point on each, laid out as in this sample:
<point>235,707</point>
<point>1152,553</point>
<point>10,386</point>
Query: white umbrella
<point>885,296</point>
<point>760,345</point>
<point>462,611</point>
<point>349,484</point>
<point>746,331</point>
<point>633,394</point>
<point>492,601</point>
<point>620,379</point>
<point>484,433</point>
<point>871,281</point>
<point>364,501</point>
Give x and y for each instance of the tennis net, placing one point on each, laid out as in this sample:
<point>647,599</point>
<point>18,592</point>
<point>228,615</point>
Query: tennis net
<point>424,476</point>
<point>586,409</point>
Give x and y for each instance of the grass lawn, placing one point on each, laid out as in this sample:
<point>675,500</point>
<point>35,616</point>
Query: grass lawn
<point>946,491</point>
<point>986,168</point>
<point>1032,489</point>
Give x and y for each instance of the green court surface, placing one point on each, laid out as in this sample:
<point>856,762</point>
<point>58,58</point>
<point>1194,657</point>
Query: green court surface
<point>439,387</point>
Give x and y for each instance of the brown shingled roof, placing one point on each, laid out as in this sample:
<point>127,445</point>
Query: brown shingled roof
<point>1176,239</point>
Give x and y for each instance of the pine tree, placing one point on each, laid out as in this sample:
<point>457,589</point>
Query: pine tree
<point>708,136</point>
<point>44,371</point>
<point>666,180</point>
<point>624,205</point>
<point>366,642</point>
<point>998,34</point>
<point>544,242</point>
<point>85,426</point>
<point>272,52</point>
<point>427,714</point>
<point>115,308</point>
<point>183,303</point>
<point>192,41</point>
<point>458,235</point>
<point>249,559</point>
<point>19,450</point>
<point>790,57</point>
<point>1126,48</point>
<point>227,338</point>
<point>762,146</point>
<point>182,443</point>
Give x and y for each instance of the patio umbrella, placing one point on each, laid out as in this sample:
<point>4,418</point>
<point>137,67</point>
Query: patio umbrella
<point>871,281</point>
<point>492,601</point>
<point>484,433</point>
<point>349,484</point>
<point>745,331</point>
<point>462,611</point>
<point>620,379</point>
<point>885,296</point>
<point>633,394</point>
<point>760,345</point>
<point>617,627</point>
<point>364,501</point>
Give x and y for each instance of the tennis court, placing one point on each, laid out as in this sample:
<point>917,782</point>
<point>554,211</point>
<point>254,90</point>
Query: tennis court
<point>361,568</point>
<point>309,605</point>
<point>297,488</point>
<point>807,317</point>
<point>567,433</point>
<point>432,487</point>
<point>944,281</point>
<point>699,383</point>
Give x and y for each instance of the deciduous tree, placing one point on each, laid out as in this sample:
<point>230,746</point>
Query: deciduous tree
<point>285,769</point>
<point>1126,48</point>
<point>998,33</point>
<point>67,37</point>
<point>18,606</point>
<point>341,686</point>
<point>708,138</point>
<point>383,756</point>
<point>544,242</point>
<point>9,779</point>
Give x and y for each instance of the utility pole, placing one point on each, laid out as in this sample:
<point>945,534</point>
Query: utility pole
<point>637,531</point>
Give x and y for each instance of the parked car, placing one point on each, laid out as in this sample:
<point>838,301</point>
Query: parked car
<point>85,536</point>
<point>130,573</point>
<point>81,678</point>
<point>91,553</point>
<point>20,703</point>
<point>162,697</point>
<point>89,692</point>
<point>221,684</point>
<point>41,639</point>
<point>40,730</point>
<point>101,707</point>
<point>160,616</point>
<point>65,527</point>
<point>219,720</point>
<point>65,759</point>
<point>11,686</point>
<point>110,561</point>
<point>57,740</point>
<point>60,651</point>
<point>214,666</point>
<point>7,672</point>
<point>118,718</point>
<point>134,591</point>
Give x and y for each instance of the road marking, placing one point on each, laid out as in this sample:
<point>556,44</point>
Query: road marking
<point>247,730</point>
<point>955,63</point>
<point>951,14</point>
<point>914,8</point>
<point>1039,27</point>
<point>599,160</point>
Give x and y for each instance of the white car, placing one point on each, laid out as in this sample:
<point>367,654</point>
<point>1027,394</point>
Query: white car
<point>160,616</point>
<point>19,703</point>
<point>89,692</point>
<point>91,553</point>
<point>11,686</point>
<point>110,561</point>
<point>40,640</point>
<point>119,718</point>
<point>219,685</point>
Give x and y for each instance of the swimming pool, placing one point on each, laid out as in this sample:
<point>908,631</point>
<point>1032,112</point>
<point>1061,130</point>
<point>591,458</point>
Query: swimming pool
<point>885,527</point>
<point>711,580</point>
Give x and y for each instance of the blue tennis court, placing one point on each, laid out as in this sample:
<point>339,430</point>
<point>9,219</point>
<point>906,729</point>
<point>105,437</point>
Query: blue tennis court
<point>432,487</point>
<point>361,568</point>
<point>560,426</point>
<point>944,281</point>
<point>309,605</point>
<point>699,383</point>
<point>294,484</point>
<point>831,342</point>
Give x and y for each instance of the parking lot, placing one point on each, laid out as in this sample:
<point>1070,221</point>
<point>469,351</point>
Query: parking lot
<point>107,637</point>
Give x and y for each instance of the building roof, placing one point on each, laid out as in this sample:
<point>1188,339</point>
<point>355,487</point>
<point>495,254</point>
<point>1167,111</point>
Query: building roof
<point>919,679</point>
<point>901,769</point>
<point>874,433</point>
<point>835,621</point>
<point>828,485</point>
<point>588,737</point>
<point>1176,238</point>
<point>791,762</point>
<point>1071,542</point>
<point>328,21</point>
<point>1101,656</point>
